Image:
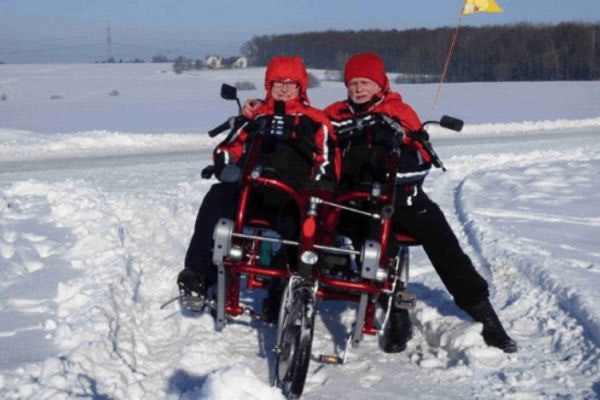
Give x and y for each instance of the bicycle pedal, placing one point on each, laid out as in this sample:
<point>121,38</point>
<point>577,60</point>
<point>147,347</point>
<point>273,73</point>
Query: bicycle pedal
<point>194,303</point>
<point>330,359</point>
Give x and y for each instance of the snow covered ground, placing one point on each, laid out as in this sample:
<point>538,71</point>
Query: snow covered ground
<point>98,195</point>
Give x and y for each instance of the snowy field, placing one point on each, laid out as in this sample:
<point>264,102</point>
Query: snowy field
<point>98,196</point>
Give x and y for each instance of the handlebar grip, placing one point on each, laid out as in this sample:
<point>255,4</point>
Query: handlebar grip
<point>221,128</point>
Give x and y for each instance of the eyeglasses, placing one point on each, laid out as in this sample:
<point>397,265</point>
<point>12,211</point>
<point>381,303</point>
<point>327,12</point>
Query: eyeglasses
<point>284,84</point>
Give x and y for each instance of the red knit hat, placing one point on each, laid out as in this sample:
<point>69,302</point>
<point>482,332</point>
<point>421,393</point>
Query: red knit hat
<point>281,68</point>
<point>367,65</point>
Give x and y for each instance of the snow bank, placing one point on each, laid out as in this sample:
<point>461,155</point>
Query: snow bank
<point>531,126</point>
<point>22,146</point>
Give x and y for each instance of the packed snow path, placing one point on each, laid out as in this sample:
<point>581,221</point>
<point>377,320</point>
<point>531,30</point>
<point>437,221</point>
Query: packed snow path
<point>112,234</point>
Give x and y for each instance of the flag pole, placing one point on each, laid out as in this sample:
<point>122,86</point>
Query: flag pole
<point>447,62</point>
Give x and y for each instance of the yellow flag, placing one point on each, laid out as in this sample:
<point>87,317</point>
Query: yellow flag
<point>475,6</point>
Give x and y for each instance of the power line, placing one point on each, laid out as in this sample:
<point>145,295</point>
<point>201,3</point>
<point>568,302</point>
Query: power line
<point>168,46</point>
<point>108,43</point>
<point>57,48</point>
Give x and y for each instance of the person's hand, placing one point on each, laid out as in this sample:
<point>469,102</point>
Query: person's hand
<point>305,130</point>
<point>250,106</point>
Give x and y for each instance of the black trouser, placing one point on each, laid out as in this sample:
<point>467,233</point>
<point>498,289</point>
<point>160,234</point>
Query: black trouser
<point>221,201</point>
<point>282,214</point>
<point>425,222</point>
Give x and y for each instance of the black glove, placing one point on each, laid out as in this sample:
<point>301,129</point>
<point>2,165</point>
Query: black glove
<point>305,130</point>
<point>306,127</point>
<point>385,136</point>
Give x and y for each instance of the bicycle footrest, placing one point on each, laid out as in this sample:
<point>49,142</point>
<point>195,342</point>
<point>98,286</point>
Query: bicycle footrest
<point>195,303</point>
<point>330,359</point>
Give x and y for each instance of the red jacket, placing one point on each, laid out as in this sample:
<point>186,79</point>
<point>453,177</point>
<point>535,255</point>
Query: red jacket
<point>390,104</point>
<point>361,162</point>
<point>326,163</point>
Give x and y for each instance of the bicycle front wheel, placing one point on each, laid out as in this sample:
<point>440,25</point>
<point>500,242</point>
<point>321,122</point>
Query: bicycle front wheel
<point>295,333</point>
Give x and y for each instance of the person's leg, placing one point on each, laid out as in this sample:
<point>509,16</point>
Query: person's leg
<point>199,272</point>
<point>398,330</point>
<point>286,222</point>
<point>426,222</point>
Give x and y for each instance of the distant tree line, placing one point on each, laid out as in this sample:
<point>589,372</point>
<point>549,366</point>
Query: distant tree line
<point>181,64</point>
<point>112,60</point>
<point>517,52</point>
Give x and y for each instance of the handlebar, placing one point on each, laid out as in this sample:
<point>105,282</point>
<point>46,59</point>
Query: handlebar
<point>231,123</point>
<point>355,125</point>
<point>256,126</point>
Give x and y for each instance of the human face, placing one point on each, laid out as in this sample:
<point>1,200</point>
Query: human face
<point>361,90</point>
<point>284,90</point>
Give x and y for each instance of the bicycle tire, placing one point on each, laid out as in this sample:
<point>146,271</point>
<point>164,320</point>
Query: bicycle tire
<point>293,358</point>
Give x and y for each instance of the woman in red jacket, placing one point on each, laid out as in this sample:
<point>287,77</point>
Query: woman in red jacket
<point>295,148</point>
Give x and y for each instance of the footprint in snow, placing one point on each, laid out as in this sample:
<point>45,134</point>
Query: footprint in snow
<point>370,380</point>
<point>6,250</point>
<point>33,237</point>
<point>316,379</point>
<point>44,249</point>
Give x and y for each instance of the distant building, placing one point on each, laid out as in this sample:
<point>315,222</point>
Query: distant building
<point>333,75</point>
<point>240,62</point>
<point>214,62</point>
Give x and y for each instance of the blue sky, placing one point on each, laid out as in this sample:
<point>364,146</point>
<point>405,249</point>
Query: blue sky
<point>76,30</point>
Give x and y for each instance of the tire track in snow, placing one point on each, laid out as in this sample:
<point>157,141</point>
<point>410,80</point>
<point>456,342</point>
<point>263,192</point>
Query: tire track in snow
<point>543,316</point>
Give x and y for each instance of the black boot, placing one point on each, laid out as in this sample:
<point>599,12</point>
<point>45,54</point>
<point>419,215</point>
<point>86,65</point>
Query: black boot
<point>271,303</point>
<point>193,290</point>
<point>493,333</point>
<point>398,331</point>
<point>191,283</point>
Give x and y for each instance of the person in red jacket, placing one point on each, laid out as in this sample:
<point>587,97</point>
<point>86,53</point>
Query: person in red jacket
<point>295,148</point>
<point>414,212</point>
